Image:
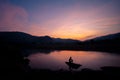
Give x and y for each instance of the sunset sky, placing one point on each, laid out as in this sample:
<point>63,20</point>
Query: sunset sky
<point>76,19</point>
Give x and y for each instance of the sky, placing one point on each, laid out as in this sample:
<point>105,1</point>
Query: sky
<point>74,19</point>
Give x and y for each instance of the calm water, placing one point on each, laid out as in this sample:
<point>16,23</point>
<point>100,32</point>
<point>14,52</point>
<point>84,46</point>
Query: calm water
<point>88,59</point>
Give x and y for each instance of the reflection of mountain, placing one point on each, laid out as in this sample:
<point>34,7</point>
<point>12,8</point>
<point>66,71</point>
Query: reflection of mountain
<point>104,43</point>
<point>27,52</point>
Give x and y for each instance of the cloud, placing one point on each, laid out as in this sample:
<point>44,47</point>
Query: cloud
<point>12,17</point>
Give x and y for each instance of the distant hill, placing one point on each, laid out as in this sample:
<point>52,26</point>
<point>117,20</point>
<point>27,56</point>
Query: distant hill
<point>109,42</point>
<point>106,37</point>
<point>24,39</point>
<point>16,37</point>
<point>104,43</point>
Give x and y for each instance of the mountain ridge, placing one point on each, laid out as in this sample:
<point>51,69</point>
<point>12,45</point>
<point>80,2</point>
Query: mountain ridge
<point>104,43</point>
<point>27,39</point>
<point>105,37</point>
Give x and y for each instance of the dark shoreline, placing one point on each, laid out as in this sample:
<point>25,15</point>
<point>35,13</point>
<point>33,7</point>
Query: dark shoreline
<point>109,73</point>
<point>15,66</point>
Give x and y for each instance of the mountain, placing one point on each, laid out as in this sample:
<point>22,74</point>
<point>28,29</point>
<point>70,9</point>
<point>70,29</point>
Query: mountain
<point>15,37</point>
<point>24,39</point>
<point>109,43</point>
<point>58,40</point>
<point>19,39</point>
<point>106,37</point>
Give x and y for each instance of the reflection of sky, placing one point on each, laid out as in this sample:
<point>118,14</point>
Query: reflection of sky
<point>78,19</point>
<point>56,60</point>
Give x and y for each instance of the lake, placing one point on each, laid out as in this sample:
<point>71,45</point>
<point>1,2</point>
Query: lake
<point>55,60</point>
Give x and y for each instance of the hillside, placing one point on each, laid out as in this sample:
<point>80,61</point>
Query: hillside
<point>109,42</point>
<point>24,39</point>
<point>104,43</point>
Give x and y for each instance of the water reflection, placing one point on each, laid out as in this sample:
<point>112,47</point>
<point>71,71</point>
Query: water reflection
<point>89,59</point>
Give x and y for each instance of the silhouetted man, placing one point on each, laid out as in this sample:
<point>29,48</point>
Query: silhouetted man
<point>70,60</point>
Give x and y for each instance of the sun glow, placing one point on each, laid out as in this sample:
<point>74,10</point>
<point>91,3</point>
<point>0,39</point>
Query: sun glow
<point>76,20</point>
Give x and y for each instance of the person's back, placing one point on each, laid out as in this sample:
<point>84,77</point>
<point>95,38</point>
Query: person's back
<point>70,60</point>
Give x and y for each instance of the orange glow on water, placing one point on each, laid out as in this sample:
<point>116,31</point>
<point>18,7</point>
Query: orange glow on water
<point>88,59</point>
<point>76,55</point>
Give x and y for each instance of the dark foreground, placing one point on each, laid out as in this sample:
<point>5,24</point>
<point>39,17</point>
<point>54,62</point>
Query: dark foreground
<point>84,74</point>
<point>15,66</point>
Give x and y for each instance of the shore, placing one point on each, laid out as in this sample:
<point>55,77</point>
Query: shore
<point>106,73</point>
